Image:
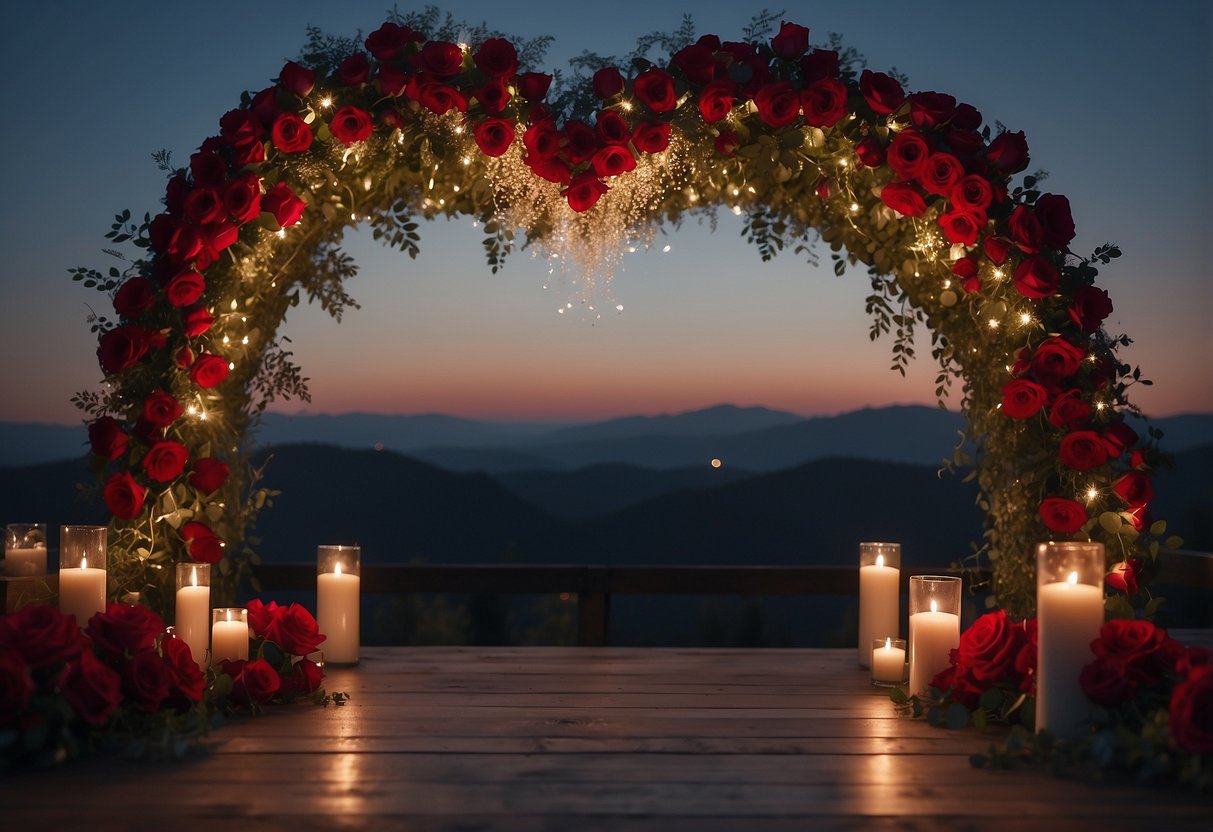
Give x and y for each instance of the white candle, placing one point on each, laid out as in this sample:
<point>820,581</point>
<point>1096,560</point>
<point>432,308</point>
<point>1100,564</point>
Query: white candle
<point>1069,615</point>
<point>229,640</point>
<point>21,563</point>
<point>82,592</point>
<point>193,613</point>
<point>933,636</point>
<point>337,608</point>
<point>879,606</point>
<point>888,663</point>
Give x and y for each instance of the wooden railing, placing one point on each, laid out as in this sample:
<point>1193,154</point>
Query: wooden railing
<point>594,586</point>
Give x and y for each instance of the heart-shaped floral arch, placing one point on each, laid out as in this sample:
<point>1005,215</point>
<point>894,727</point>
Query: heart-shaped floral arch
<point>802,142</point>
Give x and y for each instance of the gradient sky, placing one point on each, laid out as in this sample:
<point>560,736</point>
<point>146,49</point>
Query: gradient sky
<point>1114,98</point>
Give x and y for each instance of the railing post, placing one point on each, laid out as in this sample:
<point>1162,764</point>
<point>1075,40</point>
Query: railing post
<point>594,609</point>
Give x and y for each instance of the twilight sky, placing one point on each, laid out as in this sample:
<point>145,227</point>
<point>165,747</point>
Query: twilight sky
<point>1115,102</point>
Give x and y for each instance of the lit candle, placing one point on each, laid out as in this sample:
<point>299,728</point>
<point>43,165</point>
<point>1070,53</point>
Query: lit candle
<point>25,563</point>
<point>935,630</point>
<point>1069,613</point>
<point>229,634</point>
<point>337,602</point>
<point>194,607</point>
<point>888,662</point>
<point>82,591</point>
<point>879,596</point>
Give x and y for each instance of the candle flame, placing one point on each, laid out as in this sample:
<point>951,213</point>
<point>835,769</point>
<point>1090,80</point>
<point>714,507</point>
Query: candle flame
<point>228,613</point>
<point>934,606</point>
<point>84,562</point>
<point>888,644</point>
<point>880,560</point>
<point>194,576</point>
<point>337,568</point>
<point>1073,579</point>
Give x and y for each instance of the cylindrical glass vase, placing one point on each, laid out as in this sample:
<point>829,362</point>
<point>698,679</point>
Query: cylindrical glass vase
<point>1069,614</point>
<point>82,577</point>
<point>194,616</point>
<point>338,601</point>
<point>879,595</point>
<point>934,627</point>
<point>25,550</point>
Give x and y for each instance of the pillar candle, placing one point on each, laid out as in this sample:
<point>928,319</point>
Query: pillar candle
<point>337,614</point>
<point>229,636</point>
<point>193,614</point>
<point>82,591</point>
<point>1069,615</point>
<point>879,605</point>
<point>24,563</point>
<point>889,662</point>
<point>933,636</point>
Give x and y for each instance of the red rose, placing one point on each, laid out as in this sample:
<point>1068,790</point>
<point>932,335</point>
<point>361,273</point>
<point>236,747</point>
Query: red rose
<point>106,437</point>
<point>123,496</point>
<point>1106,681</point>
<point>493,96</point>
<point>392,80</point>
<point>185,289</point>
<point>966,268</point>
<point>1147,652</point>
<point>389,40</point>
<point>294,630</point>
<point>253,683</point>
<point>207,167</point>
<point>613,160</point>
<point>354,70</point>
<point>778,104</point>
<point>188,683</point>
<point>959,683</point>
<point>908,154</point>
<point>202,543</point>
<point>541,140</point>
<point>824,102</point>
<point>1191,712</point>
<point>497,58</point>
<point>147,679</point>
<point>439,58</point>
<point>791,42</point>
<point>43,636</point>
<point>202,206</point>
<point>242,197</point>
<point>351,125</point>
<point>929,109</point>
<point>291,134</point>
<point>1070,410</point>
<point>1118,437</point>
<point>92,688</point>
<point>240,127</point>
<point>608,82</point>
<point>996,249</point>
<point>281,201</point>
<point>16,686</point>
<point>1082,450</point>
<point>726,143</point>
<point>822,64</point>
<point>960,227</point>
<point>612,129</point>
<point>655,89</point>
<point>716,100</point>
<point>1056,360</point>
<point>882,92</point>
<point>1036,277</point>
<point>196,321</point>
<point>161,409</point>
<point>208,475</point>
<point>580,142</point>
<point>494,136</point>
<point>903,198</point>
<point>165,460</point>
<point>651,138</point>
<point>697,62</point>
<point>870,151</point>
<point>1134,487</point>
<point>552,170</point>
<point>303,678</point>
<point>209,370</point>
<point>441,98</point>
<point>1192,658</point>
<point>134,297</point>
<point>1062,515</point>
<point>218,235</point>
<point>296,79</point>
<point>121,348</point>
<point>1125,576</point>
<point>260,615</point>
<point>1008,153</point>
<point>941,173</point>
<point>989,647</point>
<point>534,85</point>
<point>1056,221</point>
<point>584,191</point>
<point>1022,399</point>
<point>251,152</point>
<point>1089,308</point>
<point>972,193</point>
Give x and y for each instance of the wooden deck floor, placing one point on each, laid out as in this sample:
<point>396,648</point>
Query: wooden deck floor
<point>586,739</point>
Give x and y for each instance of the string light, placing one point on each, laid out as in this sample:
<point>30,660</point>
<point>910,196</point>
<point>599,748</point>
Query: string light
<point>326,102</point>
<point>1092,493</point>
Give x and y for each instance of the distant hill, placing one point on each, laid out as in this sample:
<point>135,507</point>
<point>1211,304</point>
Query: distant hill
<point>721,420</point>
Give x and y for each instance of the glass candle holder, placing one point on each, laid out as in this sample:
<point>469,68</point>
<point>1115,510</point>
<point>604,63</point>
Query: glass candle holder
<point>1069,614</point>
<point>888,662</point>
<point>934,627</point>
<point>25,550</point>
<point>193,617</point>
<point>338,589</point>
<point>229,634</point>
<point>82,575</point>
<point>879,595</point>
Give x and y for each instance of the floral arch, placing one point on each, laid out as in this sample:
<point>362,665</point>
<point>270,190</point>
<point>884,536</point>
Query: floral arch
<point>908,185</point>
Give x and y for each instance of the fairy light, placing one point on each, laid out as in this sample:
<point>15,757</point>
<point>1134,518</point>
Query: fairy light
<point>326,102</point>
<point>1092,493</point>
<point>231,365</point>
<point>854,207</point>
<point>467,160</point>
<point>1100,406</point>
<point>992,323</point>
<point>281,232</point>
<point>226,340</point>
<point>235,304</point>
<point>626,106</point>
<point>947,284</point>
<point>1025,318</point>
